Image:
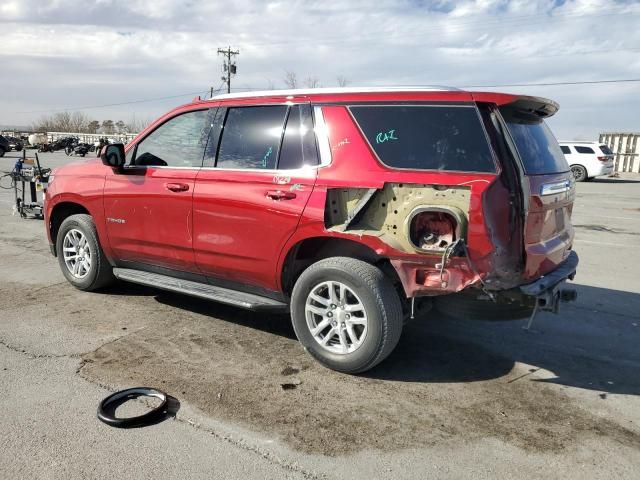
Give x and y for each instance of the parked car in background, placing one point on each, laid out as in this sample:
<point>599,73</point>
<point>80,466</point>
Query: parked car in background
<point>4,146</point>
<point>354,209</point>
<point>588,159</point>
<point>15,143</point>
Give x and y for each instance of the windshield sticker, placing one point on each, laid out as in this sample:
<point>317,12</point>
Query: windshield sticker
<point>383,137</point>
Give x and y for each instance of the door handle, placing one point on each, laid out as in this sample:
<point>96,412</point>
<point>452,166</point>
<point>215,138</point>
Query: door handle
<point>280,195</point>
<point>177,187</point>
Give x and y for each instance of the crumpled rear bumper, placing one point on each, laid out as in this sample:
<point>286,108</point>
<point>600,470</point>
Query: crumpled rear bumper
<point>565,271</point>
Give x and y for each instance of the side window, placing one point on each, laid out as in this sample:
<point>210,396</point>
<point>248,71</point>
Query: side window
<point>425,137</point>
<point>566,150</point>
<point>584,149</point>
<point>251,137</point>
<point>179,142</point>
<point>298,144</point>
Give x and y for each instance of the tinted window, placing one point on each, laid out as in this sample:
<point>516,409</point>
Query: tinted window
<point>538,148</point>
<point>298,144</point>
<point>179,142</point>
<point>566,150</point>
<point>251,137</point>
<point>426,137</point>
<point>584,149</point>
<point>606,150</point>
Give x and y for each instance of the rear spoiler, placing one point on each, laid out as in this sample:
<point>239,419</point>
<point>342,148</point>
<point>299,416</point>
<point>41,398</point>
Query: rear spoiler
<point>519,105</point>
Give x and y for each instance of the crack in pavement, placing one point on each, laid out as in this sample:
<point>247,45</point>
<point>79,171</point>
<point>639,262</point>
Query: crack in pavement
<point>31,355</point>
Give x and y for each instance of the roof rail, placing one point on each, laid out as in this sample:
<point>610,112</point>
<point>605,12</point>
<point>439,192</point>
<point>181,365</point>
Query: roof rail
<point>332,90</point>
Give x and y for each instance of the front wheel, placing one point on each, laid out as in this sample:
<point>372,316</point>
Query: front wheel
<point>81,259</point>
<point>346,314</point>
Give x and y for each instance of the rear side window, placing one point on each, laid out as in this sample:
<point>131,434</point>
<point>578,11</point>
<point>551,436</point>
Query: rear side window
<point>251,137</point>
<point>538,148</point>
<point>298,144</point>
<point>584,149</point>
<point>606,150</point>
<point>426,137</point>
<point>179,142</point>
<point>566,150</point>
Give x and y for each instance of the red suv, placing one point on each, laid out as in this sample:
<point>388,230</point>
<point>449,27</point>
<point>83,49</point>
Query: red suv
<point>354,209</point>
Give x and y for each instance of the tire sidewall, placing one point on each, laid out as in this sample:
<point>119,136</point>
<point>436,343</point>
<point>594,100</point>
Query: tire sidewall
<point>372,342</point>
<point>70,224</point>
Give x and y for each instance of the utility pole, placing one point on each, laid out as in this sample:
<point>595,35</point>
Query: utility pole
<point>229,68</point>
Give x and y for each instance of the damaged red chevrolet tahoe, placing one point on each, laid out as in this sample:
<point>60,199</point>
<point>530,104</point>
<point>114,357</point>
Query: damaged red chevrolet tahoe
<point>355,209</point>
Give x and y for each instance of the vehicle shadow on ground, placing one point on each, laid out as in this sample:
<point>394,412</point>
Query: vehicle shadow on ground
<point>592,344</point>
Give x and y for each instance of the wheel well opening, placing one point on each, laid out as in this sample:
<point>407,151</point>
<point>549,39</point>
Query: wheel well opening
<point>59,213</point>
<point>311,250</point>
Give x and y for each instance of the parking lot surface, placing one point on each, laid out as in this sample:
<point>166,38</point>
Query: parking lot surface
<point>455,399</point>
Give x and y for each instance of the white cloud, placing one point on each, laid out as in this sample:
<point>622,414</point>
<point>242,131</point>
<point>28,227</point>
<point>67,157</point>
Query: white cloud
<point>66,53</point>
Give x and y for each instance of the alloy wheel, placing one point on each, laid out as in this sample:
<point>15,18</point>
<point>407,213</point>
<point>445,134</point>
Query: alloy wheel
<point>76,253</point>
<point>336,317</point>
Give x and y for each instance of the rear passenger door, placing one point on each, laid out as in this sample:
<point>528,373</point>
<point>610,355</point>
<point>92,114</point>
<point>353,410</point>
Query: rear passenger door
<point>258,174</point>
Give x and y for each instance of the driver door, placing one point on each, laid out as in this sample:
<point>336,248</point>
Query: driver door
<point>148,206</point>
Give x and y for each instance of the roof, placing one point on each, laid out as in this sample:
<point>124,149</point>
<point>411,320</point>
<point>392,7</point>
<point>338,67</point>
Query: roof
<point>331,90</point>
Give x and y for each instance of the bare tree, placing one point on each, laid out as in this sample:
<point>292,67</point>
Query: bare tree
<point>342,81</point>
<point>121,127</point>
<point>58,122</point>
<point>290,79</point>
<point>312,82</point>
<point>136,125</point>
<point>78,122</point>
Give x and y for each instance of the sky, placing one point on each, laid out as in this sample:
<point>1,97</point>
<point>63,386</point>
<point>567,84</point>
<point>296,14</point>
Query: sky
<point>81,55</point>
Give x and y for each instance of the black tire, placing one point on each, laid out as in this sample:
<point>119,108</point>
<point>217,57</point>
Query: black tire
<point>589,179</point>
<point>579,173</point>
<point>100,272</point>
<point>381,303</point>
<point>464,306</point>
<point>2,152</point>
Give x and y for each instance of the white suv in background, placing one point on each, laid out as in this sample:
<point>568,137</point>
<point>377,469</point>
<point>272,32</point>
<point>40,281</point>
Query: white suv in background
<point>588,159</point>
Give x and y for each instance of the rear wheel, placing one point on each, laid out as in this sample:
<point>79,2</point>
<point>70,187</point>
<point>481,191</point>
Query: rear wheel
<point>346,314</point>
<point>1,152</point>
<point>80,255</point>
<point>579,173</point>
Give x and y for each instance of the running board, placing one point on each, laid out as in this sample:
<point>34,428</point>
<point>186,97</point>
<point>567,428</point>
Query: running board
<point>200,290</point>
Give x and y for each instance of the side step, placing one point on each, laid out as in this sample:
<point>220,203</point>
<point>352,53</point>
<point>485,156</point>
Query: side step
<point>201,290</point>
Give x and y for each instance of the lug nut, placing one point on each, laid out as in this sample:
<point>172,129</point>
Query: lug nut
<point>333,306</point>
<point>347,316</point>
<point>329,314</point>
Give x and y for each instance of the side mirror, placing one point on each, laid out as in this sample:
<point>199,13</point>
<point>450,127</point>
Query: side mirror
<point>113,155</point>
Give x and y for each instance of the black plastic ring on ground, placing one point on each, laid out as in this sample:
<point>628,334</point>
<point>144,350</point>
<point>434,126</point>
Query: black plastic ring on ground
<point>107,408</point>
